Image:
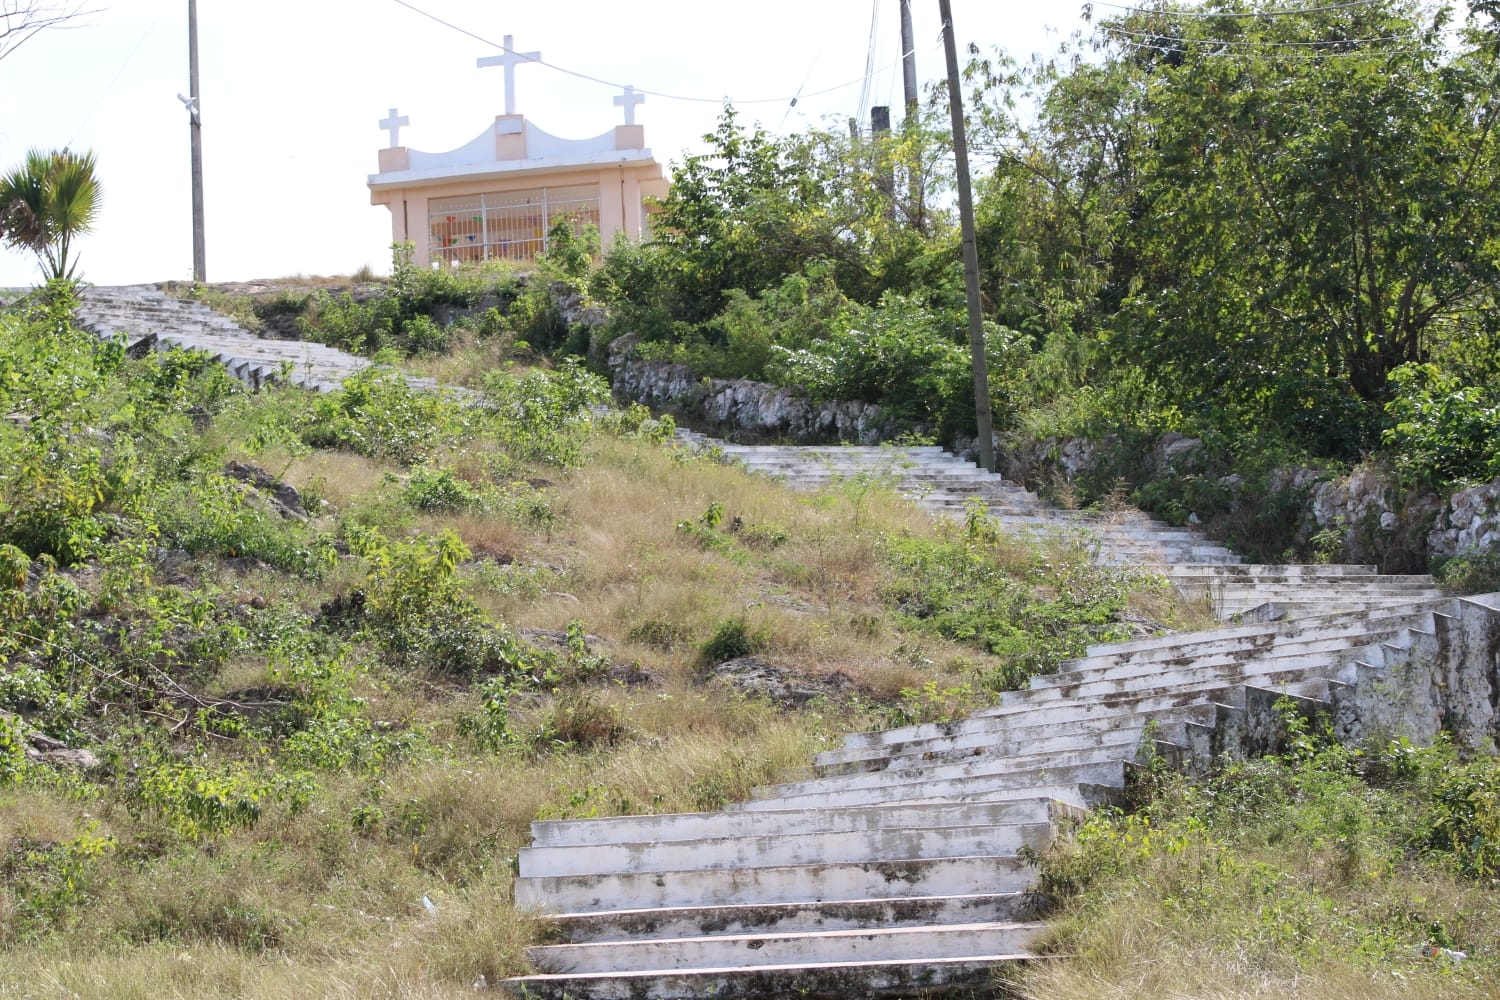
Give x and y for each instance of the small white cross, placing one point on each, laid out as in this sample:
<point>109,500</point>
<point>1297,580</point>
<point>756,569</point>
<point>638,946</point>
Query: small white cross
<point>393,126</point>
<point>628,101</point>
<point>510,60</point>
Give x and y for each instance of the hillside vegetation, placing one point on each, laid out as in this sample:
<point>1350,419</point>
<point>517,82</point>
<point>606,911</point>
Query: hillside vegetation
<point>328,656</point>
<point>1271,231</point>
<point>284,678</point>
<point>308,666</point>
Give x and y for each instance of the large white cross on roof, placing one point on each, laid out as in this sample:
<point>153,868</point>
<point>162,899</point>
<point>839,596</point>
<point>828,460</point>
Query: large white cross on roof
<point>393,125</point>
<point>628,101</point>
<point>510,60</point>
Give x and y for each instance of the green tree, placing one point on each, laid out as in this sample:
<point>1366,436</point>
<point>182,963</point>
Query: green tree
<point>1322,204</point>
<point>45,203</point>
<point>1266,211</point>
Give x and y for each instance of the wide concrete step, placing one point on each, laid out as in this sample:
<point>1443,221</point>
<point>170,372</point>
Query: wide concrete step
<point>779,849</point>
<point>1290,606</point>
<point>690,921</point>
<point>1166,705</point>
<point>1001,740</point>
<point>984,734</point>
<point>1272,671</point>
<point>1118,746</point>
<point>832,981</point>
<point>1275,571</point>
<point>1254,633</point>
<point>886,944</point>
<point>839,792</point>
<point>678,827</point>
<point>1108,669</point>
<point>788,884</point>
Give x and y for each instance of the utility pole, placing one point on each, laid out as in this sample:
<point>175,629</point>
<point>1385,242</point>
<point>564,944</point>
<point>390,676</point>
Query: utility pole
<point>971,249</point>
<point>880,149</point>
<point>195,127</point>
<point>914,193</point>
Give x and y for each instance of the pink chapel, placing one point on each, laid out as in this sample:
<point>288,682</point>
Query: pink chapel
<point>497,197</point>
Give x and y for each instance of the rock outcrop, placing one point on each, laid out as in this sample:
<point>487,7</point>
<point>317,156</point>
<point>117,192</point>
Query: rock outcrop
<point>741,409</point>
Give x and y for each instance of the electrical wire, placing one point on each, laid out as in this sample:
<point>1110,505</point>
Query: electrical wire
<point>864,93</point>
<point>609,83</point>
<point>118,73</point>
<point>1280,12</point>
<point>1328,44</point>
<point>798,95</point>
<point>1202,49</point>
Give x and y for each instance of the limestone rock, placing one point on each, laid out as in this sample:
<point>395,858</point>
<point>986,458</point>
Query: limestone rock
<point>742,407</point>
<point>1175,451</point>
<point>761,678</point>
<point>83,760</point>
<point>1471,522</point>
<point>284,498</point>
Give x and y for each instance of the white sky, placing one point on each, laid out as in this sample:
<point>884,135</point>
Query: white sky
<point>293,91</point>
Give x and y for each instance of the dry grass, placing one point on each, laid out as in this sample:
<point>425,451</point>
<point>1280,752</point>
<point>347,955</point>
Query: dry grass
<point>466,361</point>
<point>338,477</point>
<point>1140,960</point>
<point>803,573</point>
<point>327,901</point>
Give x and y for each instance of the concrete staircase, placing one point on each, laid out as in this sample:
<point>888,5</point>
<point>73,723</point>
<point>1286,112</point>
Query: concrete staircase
<point>148,320</point>
<point>894,866</point>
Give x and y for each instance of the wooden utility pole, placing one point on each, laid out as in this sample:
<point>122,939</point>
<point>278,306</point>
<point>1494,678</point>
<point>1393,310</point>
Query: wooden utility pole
<point>916,209</point>
<point>971,249</point>
<point>195,127</point>
<point>880,157</point>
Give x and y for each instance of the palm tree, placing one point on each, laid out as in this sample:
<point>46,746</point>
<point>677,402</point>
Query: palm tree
<point>45,203</point>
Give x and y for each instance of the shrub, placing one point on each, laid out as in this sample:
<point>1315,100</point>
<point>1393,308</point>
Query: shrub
<point>209,513</point>
<point>12,749</point>
<point>732,638</point>
<point>377,414</point>
<point>1443,433</point>
<point>200,802</point>
<point>440,491</point>
<point>900,354</point>
<point>541,415</point>
<point>1471,573</point>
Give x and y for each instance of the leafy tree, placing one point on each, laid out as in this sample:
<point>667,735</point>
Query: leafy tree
<point>45,203</point>
<point>1318,210</point>
<point>756,209</point>
<point>1267,211</point>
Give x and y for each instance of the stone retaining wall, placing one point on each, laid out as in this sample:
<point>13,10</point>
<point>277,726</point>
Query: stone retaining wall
<point>741,410</point>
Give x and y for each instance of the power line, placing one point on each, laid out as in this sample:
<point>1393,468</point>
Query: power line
<point>1280,12</point>
<point>608,83</point>
<point>118,73</point>
<point>864,92</point>
<point>1162,45</point>
<point>1329,44</point>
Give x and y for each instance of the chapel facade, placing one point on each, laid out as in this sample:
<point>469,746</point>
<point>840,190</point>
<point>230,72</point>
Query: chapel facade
<point>498,196</point>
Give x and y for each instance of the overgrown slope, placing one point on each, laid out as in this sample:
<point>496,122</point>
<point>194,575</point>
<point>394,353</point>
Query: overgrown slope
<point>284,678</point>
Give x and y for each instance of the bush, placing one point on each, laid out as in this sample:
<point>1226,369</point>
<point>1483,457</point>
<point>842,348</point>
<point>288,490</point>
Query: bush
<point>12,750</point>
<point>732,638</point>
<point>1443,433</point>
<point>1471,573</point>
<point>377,414</point>
<point>900,354</point>
<point>540,415</point>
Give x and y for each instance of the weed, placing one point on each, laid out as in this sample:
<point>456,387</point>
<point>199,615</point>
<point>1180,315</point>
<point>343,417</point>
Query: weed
<point>732,638</point>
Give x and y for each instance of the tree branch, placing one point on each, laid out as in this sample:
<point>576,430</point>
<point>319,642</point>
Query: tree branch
<point>20,20</point>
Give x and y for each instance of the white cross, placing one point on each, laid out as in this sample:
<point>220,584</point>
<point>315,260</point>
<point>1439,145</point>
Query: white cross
<point>510,60</point>
<point>393,126</point>
<point>628,101</point>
